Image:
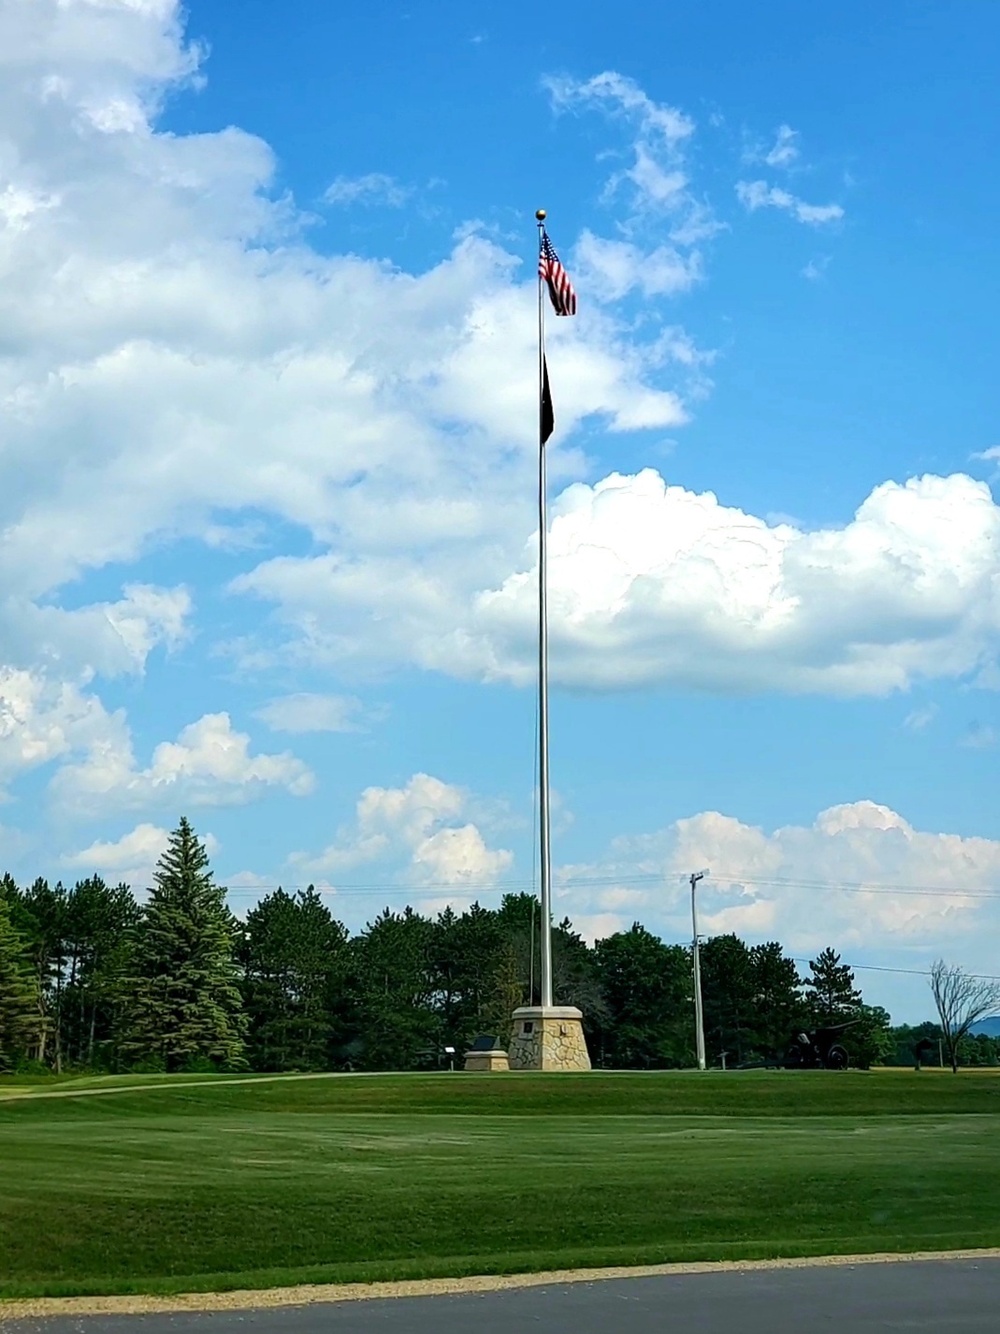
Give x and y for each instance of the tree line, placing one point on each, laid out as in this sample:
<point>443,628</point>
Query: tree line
<point>92,979</point>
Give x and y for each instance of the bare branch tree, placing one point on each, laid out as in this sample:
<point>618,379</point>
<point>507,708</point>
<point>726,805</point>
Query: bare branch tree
<point>961,999</point>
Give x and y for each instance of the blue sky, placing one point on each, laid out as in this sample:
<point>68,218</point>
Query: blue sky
<point>266,496</point>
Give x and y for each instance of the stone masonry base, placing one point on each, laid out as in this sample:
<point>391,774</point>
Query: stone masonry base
<point>486,1060</point>
<point>548,1038</point>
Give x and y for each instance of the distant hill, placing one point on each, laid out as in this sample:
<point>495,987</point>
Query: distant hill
<point>989,1026</point>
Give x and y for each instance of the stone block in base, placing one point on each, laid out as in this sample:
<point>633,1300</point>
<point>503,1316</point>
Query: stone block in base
<point>548,1038</point>
<point>486,1060</point>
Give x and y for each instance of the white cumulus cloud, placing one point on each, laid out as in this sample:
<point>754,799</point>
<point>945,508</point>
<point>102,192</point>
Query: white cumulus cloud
<point>209,764</point>
<point>42,721</point>
<point>859,877</point>
<point>103,638</point>
<point>130,859</point>
<point>754,195</point>
<point>195,358</point>
<point>180,361</point>
<point>610,269</point>
<point>420,830</point>
<point>652,583</point>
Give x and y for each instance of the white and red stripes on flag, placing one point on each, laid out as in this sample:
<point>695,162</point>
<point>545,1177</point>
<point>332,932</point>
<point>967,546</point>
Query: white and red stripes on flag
<point>556,278</point>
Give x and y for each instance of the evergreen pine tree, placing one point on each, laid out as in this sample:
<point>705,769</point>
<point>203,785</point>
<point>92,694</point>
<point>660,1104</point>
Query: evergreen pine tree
<point>18,996</point>
<point>101,923</point>
<point>830,992</point>
<point>392,993</point>
<point>464,954</point>
<point>505,994</point>
<point>727,986</point>
<point>779,1011</point>
<point>185,1007</point>
<point>42,926</point>
<point>293,954</point>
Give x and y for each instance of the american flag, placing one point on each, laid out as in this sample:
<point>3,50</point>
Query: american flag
<point>555,276</point>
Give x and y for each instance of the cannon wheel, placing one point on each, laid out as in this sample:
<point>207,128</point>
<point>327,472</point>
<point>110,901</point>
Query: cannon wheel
<point>793,1057</point>
<point>837,1058</point>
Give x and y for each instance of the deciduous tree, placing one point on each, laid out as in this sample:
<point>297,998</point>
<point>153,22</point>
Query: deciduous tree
<point>961,999</point>
<point>646,986</point>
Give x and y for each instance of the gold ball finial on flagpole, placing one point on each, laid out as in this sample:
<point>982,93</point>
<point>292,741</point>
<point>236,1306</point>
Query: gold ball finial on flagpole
<point>540,214</point>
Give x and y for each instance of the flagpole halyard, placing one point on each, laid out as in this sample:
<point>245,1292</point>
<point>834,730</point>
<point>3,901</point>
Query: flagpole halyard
<point>545,868</point>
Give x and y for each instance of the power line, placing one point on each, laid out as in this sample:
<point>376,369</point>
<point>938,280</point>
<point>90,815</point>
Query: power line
<point>583,882</point>
<point>435,891</point>
<point>414,892</point>
<point>856,886</point>
<point>482,887</point>
<point>910,972</point>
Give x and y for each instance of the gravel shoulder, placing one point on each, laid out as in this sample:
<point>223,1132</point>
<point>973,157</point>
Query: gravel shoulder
<point>313,1294</point>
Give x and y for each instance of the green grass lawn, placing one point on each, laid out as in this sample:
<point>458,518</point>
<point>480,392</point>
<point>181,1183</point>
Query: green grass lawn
<point>208,1183</point>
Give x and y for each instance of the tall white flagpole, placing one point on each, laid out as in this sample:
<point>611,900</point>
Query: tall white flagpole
<point>546,1036</point>
<point>543,663</point>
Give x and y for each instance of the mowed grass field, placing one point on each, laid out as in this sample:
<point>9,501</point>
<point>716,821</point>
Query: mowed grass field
<point>159,1185</point>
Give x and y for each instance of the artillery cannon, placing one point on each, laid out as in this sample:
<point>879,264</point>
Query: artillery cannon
<point>819,1049</point>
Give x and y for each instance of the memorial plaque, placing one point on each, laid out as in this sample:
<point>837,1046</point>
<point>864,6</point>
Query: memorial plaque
<point>484,1043</point>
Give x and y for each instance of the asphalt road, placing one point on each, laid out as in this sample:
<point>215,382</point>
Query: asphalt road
<point>952,1297</point>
